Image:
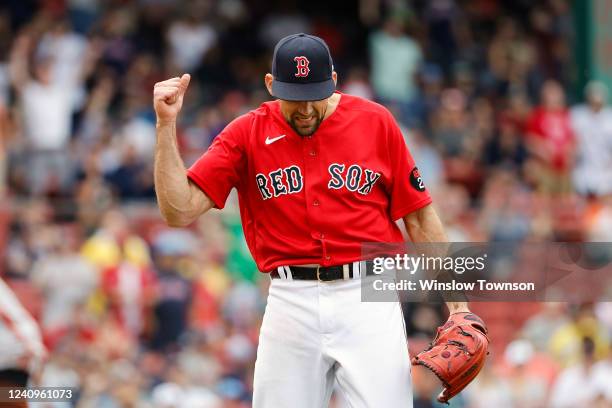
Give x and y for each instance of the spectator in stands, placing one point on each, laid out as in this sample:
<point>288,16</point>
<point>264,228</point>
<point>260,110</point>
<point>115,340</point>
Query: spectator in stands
<point>357,84</point>
<point>130,291</point>
<point>115,242</point>
<point>132,179</point>
<point>191,36</point>
<point>527,378</point>
<point>566,343</point>
<point>550,141</point>
<point>283,20</point>
<point>395,59</point>
<point>592,125</point>
<point>577,385</point>
<point>453,211</point>
<point>450,129</point>
<point>49,89</point>
<point>488,390</point>
<point>50,273</point>
<point>602,375</point>
<point>174,291</point>
<point>179,391</point>
<point>428,101</point>
<point>511,61</point>
<point>427,157</point>
<point>441,18</point>
<point>603,309</point>
<point>4,142</point>
<point>540,327</point>
<point>504,215</point>
<point>47,113</point>
<point>507,148</point>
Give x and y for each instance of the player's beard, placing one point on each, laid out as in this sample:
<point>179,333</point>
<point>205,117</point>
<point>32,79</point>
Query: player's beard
<point>309,130</point>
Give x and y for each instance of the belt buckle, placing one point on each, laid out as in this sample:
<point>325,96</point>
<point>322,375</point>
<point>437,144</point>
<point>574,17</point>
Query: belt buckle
<point>319,276</point>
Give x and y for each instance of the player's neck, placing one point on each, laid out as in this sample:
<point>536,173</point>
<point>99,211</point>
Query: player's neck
<point>332,103</point>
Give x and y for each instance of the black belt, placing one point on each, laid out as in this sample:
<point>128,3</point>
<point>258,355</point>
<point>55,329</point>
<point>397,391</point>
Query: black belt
<point>324,273</point>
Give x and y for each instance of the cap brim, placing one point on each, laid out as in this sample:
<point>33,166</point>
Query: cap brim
<point>303,92</point>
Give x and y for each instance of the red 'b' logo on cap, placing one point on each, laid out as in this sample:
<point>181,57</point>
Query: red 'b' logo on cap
<point>302,66</point>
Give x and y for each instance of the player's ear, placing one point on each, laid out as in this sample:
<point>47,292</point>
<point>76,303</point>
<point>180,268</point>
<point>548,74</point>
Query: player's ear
<point>335,77</point>
<point>268,81</point>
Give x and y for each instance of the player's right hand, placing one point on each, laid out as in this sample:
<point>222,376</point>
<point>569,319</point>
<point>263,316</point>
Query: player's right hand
<point>168,97</point>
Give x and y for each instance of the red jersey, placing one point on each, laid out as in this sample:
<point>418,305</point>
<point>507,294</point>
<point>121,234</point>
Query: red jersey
<point>554,128</point>
<point>313,199</point>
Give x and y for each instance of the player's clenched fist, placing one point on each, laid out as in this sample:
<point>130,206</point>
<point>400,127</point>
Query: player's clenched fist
<point>168,97</point>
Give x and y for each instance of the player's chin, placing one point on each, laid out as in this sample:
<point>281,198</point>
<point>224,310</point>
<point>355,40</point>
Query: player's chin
<point>306,131</point>
<point>310,128</point>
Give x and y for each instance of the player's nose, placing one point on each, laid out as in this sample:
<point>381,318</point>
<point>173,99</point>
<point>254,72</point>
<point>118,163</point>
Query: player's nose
<point>305,108</point>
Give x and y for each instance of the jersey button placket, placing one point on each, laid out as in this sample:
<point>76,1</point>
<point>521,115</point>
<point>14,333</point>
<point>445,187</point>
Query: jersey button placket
<point>312,173</point>
<point>309,176</point>
<point>326,256</point>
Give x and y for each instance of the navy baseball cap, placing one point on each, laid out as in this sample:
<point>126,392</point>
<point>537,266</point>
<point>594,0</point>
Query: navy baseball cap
<point>302,68</point>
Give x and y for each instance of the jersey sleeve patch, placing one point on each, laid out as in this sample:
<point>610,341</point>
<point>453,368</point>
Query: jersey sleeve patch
<point>416,181</point>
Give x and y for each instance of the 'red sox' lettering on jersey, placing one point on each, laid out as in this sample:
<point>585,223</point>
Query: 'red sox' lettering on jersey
<point>290,181</point>
<point>344,185</point>
<point>282,181</point>
<point>355,179</point>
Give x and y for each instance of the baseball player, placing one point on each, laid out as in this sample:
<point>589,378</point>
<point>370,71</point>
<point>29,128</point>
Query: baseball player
<point>318,173</point>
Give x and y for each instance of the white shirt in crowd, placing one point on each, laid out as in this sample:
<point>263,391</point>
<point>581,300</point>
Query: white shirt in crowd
<point>189,43</point>
<point>47,115</point>
<point>593,130</point>
<point>68,50</point>
<point>578,386</point>
<point>5,84</point>
<point>395,61</point>
<point>50,273</point>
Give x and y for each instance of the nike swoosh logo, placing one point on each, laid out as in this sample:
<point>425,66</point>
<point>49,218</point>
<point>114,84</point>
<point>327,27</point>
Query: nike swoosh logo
<point>274,139</point>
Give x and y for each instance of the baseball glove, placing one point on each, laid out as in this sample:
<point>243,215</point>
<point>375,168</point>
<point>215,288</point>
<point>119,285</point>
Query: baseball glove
<point>457,354</point>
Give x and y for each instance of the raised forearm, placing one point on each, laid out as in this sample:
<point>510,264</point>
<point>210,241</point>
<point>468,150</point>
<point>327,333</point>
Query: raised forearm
<point>18,62</point>
<point>179,201</point>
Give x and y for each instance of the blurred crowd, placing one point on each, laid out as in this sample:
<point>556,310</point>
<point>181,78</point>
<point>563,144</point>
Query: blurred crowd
<point>135,314</point>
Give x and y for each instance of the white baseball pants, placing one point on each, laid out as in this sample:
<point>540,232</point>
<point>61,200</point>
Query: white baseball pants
<point>314,332</point>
